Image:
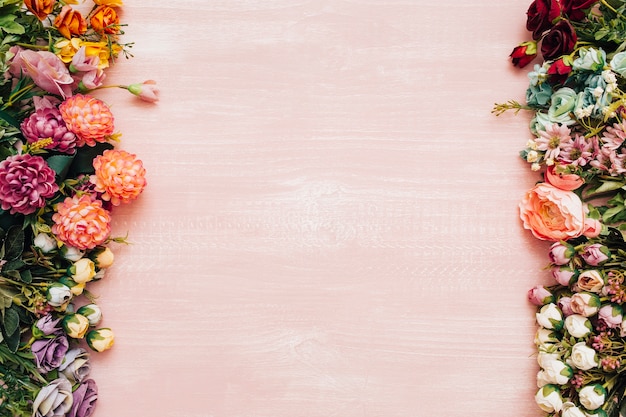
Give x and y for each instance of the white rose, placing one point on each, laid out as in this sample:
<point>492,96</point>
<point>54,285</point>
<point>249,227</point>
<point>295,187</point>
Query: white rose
<point>549,399</point>
<point>545,338</point>
<point>58,294</point>
<point>83,270</point>
<point>550,317</point>
<point>45,242</point>
<point>578,325</point>
<point>71,253</point>
<point>592,396</point>
<point>543,358</point>
<point>583,357</point>
<point>557,372</point>
<point>542,379</point>
<point>570,410</point>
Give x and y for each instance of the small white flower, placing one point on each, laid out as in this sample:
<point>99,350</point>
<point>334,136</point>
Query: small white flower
<point>609,77</point>
<point>45,242</point>
<point>532,156</point>
<point>598,92</point>
<point>592,397</point>
<point>535,167</point>
<point>531,144</point>
<point>549,399</point>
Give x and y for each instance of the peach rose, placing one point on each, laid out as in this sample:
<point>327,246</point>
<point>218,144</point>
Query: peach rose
<point>104,19</point>
<point>567,182</point>
<point>552,214</point>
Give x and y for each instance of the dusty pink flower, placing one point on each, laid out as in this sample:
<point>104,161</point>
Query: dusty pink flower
<point>86,71</point>
<point>47,123</point>
<point>119,176</point>
<point>47,71</point>
<point>614,136</point>
<point>81,223</point>
<point>25,183</point>
<point>553,139</point>
<point>578,152</point>
<point>89,118</point>
<point>147,91</point>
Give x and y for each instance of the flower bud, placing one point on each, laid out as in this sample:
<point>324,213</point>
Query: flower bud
<point>612,315</point>
<point>45,242</point>
<point>556,372</point>
<point>147,91</point>
<point>103,258</point>
<point>550,317</point>
<point>561,254</point>
<point>564,275</point>
<point>540,295</point>
<point>592,396</point>
<point>92,312</point>
<point>58,294</point>
<point>71,253</point>
<point>596,254</point>
<point>583,357</point>
<point>75,325</point>
<point>75,287</point>
<point>549,399</point>
<point>100,339</point>
<point>83,270</point>
<point>578,326</point>
<point>585,303</point>
<point>524,53</point>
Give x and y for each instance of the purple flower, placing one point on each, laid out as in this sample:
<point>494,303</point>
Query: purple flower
<point>49,353</point>
<point>47,123</point>
<point>595,254</point>
<point>48,325</point>
<point>75,365</point>
<point>25,183</point>
<point>85,397</point>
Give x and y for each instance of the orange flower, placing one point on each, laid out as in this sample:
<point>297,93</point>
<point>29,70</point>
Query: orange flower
<point>88,118</point>
<point>40,8</point>
<point>119,175</point>
<point>111,3</point>
<point>81,223</point>
<point>104,19</point>
<point>70,22</point>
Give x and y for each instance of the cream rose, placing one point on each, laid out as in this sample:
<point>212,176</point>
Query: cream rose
<point>552,214</point>
<point>592,397</point>
<point>550,317</point>
<point>583,357</point>
<point>590,281</point>
<point>83,270</point>
<point>578,325</point>
<point>549,399</point>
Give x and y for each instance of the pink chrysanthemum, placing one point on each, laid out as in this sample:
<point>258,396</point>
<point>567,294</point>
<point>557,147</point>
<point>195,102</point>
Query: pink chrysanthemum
<point>89,118</point>
<point>614,136</point>
<point>552,139</point>
<point>579,151</point>
<point>119,176</point>
<point>81,222</point>
<point>47,123</point>
<point>25,183</point>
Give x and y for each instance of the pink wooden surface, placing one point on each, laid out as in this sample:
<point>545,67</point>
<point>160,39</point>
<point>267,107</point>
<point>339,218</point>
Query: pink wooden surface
<point>330,226</point>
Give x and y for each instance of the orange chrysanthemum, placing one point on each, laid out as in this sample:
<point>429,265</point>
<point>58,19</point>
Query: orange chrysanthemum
<point>88,118</point>
<point>81,222</point>
<point>119,176</point>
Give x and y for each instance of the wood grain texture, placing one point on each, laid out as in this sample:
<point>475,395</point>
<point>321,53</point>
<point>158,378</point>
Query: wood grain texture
<point>330,226</point>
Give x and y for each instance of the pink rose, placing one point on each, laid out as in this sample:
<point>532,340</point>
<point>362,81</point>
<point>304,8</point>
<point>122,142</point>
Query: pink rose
<point>595,254</point>
<point>562,275</point>
<point>47,71</point>
<point>567,182</point>
<point>560,254</point>
<point>552,214</point>
<point>565,304</point>
<point>593,228</point>
<point>611,314</point>
<point>590,281</point>
<point>540,295</point>
<point>584,303</point>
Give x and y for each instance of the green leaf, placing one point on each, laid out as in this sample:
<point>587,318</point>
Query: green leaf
<point>14,243</point>
<point>6,298</point>
<point>26,276</point>
<point>83,160</point>
<point>11,321</point>
<point>13,265</point>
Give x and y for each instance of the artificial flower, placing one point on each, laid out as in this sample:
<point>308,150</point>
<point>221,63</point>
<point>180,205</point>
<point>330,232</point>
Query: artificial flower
<point>88,117</point>
<point>69,22</point>
<point>40,8</point>
<point>541,15</point>
<point>119,176</point>
<point>104,19</point>
<point>81,223</point>
<point>75,325</point>
<point>560,40</point>
<point>147,91</point>
<point>92,312</point>
<point>26,181</point>
<point>83,270</point>
<point>100,339</point>
<point>54,400</point>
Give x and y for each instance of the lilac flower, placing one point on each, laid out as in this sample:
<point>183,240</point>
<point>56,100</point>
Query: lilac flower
<point>48,325</point>
<point>49,353</point>
<point>53,400</point>
<point>85,397</point>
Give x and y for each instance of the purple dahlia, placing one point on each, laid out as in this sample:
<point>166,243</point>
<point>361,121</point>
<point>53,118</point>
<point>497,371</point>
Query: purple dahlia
<point>25,183</point>
<point>47,123</point>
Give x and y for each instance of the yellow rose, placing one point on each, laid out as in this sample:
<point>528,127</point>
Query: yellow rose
<point>100,339</point>
<point>104,259</point>
<point>83,270</point>
<point>75,325</point>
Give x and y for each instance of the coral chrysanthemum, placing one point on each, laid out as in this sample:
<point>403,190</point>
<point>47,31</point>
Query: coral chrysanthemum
<point>89,118</point>
<point>119,176</point>
<point>81,222</point>
<point>25,183</point>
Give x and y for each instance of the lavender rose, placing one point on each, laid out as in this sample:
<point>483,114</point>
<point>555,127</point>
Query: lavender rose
<point>49,352</point>
<point>46,326</point>
<point>54,400</point>
<point>75,365</point>
<point>85,397</point>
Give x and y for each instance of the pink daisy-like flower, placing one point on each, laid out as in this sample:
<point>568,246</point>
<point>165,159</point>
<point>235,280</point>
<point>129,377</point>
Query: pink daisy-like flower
<point>119,176</point>
<point>577,152</point>
<point>81,222</point>
<point>47,123</point>
<point>89,118</point>
<point>25,183</point>
<point>553,139</point>
<point>614,136</point>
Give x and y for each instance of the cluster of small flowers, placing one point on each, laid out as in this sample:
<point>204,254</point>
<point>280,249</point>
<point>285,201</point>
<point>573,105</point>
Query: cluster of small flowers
<point>578,129</point>
<point>60,179</point>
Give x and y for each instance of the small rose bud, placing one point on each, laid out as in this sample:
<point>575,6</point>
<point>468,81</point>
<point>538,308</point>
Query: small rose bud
<point>583,357</point>
<point>612,315</point>
<point>592,397</point>
<point>100,339</point>
<point>58,294</point>
<point>83,270</point>
<point>103,258</point>
<point>75,287</point>
<point>561,254</point>
<point>578,326</point>
<point>75,325</point>
<point>45,242</point>
<point>524,53</point>
<point>550,317</point>
<point>147,91</point>
<point>92,312</point>
<point>71,253</point>
<point>540,295</point>
<point>549,399</point>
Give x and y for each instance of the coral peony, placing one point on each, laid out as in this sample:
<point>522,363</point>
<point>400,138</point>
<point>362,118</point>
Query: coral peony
<point>119,176</point>
<point>25,183</point>
<point>89,118</point>
<point>552,214</point>
<point>81,223</point>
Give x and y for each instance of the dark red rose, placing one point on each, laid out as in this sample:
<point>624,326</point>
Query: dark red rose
<point>558,72</point>
<point>540,16</point>
<point>575,9</point>
<point>559,41</point>
<point>524,53</point>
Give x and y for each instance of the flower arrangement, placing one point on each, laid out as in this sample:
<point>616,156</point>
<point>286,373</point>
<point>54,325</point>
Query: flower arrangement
<point>61,177</point>
<point>577,101</point>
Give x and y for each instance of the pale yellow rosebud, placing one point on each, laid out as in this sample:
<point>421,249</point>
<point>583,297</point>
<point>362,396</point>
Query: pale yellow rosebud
<point>105,258</point>
<point>100,339</point>
<point>75,325</point>
<point>83,270</point>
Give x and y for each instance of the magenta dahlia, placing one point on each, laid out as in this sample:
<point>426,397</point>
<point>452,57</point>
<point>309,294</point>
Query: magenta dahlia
<point>47,123</point>
<point>25,183</point>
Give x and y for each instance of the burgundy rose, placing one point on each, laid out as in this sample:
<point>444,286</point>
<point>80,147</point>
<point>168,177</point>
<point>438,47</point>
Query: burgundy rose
<point>575,9</point>
<point>540,16</point>
<point>49,353</point>
<point>85,397</point>
<point>559,41</point>
<point>524,53</point>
